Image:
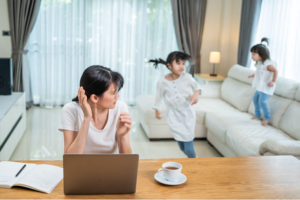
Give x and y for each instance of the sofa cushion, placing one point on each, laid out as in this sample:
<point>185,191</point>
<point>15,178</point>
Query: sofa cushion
<point>297,95</point>
<point>277,105</point>
<point>286,88</point>
<point>290,121</point>
<point>219,122</point>
<point>246,141</point>
<point>280,147</point>
<point>237,93</point>
<point>241,74</point>
<point>240,133</point>
<point>204,105</point>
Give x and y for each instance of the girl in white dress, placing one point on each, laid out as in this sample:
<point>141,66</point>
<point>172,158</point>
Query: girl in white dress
<point>179,91</point>
<point>264,80</point>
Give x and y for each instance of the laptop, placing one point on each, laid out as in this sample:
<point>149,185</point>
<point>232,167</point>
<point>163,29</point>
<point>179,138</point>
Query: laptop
<point>100,173</point>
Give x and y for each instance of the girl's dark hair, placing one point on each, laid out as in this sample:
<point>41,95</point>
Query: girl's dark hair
<point>175,55</point>
<point>262,50</point>
<point>96,80</point>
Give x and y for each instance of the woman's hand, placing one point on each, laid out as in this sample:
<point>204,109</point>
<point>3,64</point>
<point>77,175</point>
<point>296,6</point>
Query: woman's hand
<point>123,124</point>
<point>86,108</point>
<point>271,84</point>
<point>157,115</point>
<point>194,97</point>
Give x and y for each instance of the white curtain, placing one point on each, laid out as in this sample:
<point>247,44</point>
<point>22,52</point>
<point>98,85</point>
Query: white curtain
<point>279,21</point>
<point>71,35</point>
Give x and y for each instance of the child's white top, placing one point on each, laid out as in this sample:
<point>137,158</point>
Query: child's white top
<point>98,141</point>
<point>263,77</point>
<point>181,116</point>
<point>176,93</point>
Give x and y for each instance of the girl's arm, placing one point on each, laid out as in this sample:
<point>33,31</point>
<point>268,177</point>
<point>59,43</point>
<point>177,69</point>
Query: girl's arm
<point>158,99</point>
<point>271,68</point>
<point>194,97</point>
<point>251,76</point>
<point>157,114</point>
<point>197,88</point>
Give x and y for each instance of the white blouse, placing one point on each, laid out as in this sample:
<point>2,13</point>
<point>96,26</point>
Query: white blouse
<point>263,77</point>
<point>176,93</point>
<point>98,141</point>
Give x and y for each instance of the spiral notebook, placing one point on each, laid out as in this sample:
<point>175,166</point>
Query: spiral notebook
<point>42,178</point>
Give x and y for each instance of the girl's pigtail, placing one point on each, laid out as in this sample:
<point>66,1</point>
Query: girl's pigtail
<point>158,61</point>
<point>266,40</point>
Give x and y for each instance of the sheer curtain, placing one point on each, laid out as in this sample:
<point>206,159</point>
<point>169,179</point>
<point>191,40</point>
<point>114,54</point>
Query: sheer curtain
<point>279,21</point>
<point>71,35</point>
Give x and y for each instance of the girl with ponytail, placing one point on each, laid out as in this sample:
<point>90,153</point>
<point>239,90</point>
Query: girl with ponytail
<point>264,79</point>
<point>179,91</point>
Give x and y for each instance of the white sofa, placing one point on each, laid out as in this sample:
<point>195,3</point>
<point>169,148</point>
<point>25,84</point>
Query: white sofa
<point>224,117</point>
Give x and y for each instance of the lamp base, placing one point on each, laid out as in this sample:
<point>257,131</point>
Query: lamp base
<point>213,74</point>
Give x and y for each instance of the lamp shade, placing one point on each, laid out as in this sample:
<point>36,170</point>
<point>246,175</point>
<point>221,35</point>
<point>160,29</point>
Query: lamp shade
<point>214,57</point>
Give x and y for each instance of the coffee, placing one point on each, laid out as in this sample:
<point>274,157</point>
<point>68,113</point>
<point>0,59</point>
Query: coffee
<point>171,171</point>
<point>172,168</point>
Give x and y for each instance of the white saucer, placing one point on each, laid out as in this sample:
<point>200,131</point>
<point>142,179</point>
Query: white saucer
<point>162,179</point>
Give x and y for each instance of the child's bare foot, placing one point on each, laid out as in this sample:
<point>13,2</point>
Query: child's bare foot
<point>253,117</point>
<point>264,122</point>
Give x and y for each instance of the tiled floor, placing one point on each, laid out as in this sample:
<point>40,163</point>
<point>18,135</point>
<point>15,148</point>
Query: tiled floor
<point>43,141</point>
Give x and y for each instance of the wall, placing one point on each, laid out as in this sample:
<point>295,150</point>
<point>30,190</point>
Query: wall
<point>221,33</point>
<point>5,43</point>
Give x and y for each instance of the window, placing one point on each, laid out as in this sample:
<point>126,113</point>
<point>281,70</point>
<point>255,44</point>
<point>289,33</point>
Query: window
<point>279,21</point>
<point>70,35</point>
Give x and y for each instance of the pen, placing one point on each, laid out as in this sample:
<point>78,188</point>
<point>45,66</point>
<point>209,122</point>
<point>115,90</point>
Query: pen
<point>21,170</point>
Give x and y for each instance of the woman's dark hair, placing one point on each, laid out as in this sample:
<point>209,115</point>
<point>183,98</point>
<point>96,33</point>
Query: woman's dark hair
<point>96,80</point>
<point>262,50</point>
<point>175,55</point>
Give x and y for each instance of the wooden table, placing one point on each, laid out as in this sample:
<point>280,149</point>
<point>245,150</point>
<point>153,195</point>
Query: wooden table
<point>273,177</point>
<point>207,79</point>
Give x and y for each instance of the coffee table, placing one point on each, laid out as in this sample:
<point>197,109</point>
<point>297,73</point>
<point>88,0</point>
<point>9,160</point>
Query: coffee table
<point>273,177</point>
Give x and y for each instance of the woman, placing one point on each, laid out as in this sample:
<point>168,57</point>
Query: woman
<point>95,121</point>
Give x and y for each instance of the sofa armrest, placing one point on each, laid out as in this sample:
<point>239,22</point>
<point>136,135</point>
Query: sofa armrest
<point>210,91</point>
<point>280,147</point>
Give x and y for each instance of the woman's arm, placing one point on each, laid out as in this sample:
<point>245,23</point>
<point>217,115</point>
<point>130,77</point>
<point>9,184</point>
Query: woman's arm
<point>124,144</point>
<point>271,68</point>
<point>123,128</point>
<point>75,142</point>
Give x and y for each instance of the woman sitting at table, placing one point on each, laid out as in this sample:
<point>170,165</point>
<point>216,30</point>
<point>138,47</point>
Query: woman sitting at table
<point>96,121</point>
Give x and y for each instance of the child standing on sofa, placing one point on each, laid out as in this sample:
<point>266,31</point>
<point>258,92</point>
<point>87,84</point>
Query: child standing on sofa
<point>264,80</point>
<point>179,91</point>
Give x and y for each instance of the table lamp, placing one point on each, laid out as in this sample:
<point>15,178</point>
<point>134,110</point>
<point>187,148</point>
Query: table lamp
<point>214,58</point>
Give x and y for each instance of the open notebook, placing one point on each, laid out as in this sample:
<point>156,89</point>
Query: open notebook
<point>43,178</point>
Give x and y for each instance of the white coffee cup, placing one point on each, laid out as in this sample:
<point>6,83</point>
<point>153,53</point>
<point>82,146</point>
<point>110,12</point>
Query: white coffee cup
<point>168,173</point>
